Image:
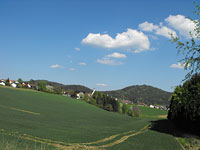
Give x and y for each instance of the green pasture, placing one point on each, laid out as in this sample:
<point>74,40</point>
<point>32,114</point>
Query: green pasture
<point>63,122</point>
<point>151,112</point>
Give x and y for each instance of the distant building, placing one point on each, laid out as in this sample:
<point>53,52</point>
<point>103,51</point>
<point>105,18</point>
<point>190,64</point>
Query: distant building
<point>14,85</point>
<point>151,106</point>
<point>79,95</point>
<point>28,85</point>
<point>11,81</point>
<point>2,83</point>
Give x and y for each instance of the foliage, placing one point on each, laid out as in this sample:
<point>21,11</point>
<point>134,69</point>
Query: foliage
<point>70,92</point>
<point>119,107</point>
<point>136,111</point>
<point>185,104</point>
<point>20,80</point>
<point>190,143</point>
<point>31,81</point>
<point>142,94</point>
<point>125,108</point>
<point>108,107</point>
<point>58,90</point>
<point>19,85</point>
<point>8,82</point>
<point>105,101</point>
<point>42,86</point>
<point>190,48</point>
<point>92,101</point>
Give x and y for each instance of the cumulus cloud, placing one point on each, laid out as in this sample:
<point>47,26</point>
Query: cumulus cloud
<point>159,30</point>
<point>129,40</point>
<point>146,26</point>
<point>77,49</point>
<point>116,55</point>
<point>82,64</point>
<point>101,84</point>
<point>177,66</point>
<point>56,66</point>
<point>181,24</point>
<point>107,61</point>
<point>165,31</point>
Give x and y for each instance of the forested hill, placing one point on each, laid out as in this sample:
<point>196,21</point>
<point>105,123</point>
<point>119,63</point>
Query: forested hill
<point>67,87</point>
<point>142,93</point>
<point>137,93</point>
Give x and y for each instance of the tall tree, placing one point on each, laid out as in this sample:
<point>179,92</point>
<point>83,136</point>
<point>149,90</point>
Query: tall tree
<point>42,86</point>
<point>7,82</point>
<point>190,48</point>
<point>20,80</point>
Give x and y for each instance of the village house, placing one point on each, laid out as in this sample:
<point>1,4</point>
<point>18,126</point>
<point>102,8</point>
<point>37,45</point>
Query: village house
<point>14,85</point>
<point>2,83</point>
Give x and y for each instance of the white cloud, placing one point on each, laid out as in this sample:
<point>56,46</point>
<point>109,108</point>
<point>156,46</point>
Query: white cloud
<point>129,40</point>
<point>101,84</point>
<point>177,66</point>
<point>165,31</point>
<point>77,49</point>
<point>56,66</point>
<point>72,69</point>
<point>159,30</point>
<point>146,26</point>
<point>116,55</point>
<point>181,24</point>
<point>82,64</point>
<point>107,61</point>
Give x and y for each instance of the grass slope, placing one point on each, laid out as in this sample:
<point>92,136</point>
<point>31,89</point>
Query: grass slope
<point>52,119</point>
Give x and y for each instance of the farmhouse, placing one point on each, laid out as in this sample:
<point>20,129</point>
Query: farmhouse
<point>14,85</point>
<point>2,83</point>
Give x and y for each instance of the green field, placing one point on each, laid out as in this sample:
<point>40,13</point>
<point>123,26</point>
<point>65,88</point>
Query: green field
<point>152,112</point>
<point>47,121</point>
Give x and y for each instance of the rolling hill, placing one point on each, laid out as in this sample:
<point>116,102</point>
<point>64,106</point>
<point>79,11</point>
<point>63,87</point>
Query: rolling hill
<point>136,93</point>
<point>142,94</point>
<point>32,119</point>
<point>67,87</point>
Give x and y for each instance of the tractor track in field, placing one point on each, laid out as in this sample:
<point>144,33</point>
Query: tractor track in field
<point>81,146</point>
<point>20,110</point>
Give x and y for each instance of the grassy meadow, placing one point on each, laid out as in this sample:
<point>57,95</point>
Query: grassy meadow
<point>37,121</point>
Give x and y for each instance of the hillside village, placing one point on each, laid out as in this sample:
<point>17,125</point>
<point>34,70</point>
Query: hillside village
<point>94,97</point>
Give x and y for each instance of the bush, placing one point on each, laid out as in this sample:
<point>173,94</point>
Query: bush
<point>185,104</point>
<point>136,111</point>
<point>108,107</point>
<point>92,101</point>
<point>125,108</point>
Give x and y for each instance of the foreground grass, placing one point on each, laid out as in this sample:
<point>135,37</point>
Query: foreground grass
<point>59,122</point>
<point>8,142</point>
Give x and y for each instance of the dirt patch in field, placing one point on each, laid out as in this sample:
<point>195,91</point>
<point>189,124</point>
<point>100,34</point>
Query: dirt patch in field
<point>162,116</point>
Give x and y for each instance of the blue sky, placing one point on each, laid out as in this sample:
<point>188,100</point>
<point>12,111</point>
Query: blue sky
<point>102,44</point>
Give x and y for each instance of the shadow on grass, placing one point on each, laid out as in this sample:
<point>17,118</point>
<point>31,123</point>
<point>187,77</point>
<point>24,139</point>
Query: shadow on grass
<point>168,127</point>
